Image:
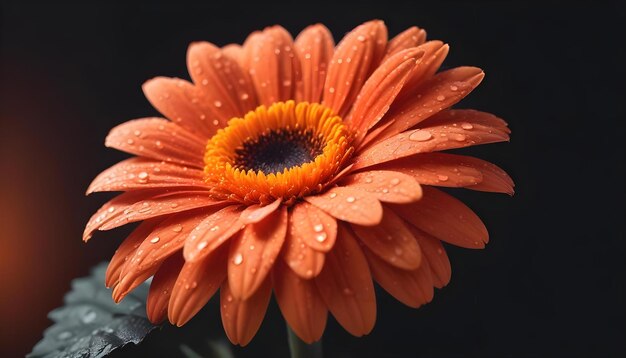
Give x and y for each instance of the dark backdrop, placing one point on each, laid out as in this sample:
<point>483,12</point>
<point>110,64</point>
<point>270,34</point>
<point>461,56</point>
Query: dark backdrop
<point>551,281</point>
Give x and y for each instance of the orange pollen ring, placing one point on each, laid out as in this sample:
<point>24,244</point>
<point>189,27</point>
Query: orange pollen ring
<point>284,151</point>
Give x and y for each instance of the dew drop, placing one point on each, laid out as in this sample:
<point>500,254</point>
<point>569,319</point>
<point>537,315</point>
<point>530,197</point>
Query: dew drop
<point>398,251</point>
<point>331,90</point>
<point>238,259</point>
<point>155,239</point>
<point>333,195</point>
<point>177,228</point>
<point>460,138</point>
<point>369,180</point>
<point>318,228</point>
<point>441,98</point>
<point>64,335</point>
<point>89,317</point>
<point>111,209</point>
<point>217,104</point>
<point>351,199</point>
<point>142,175</point>
<point>466,126</point>
<point>395,181</point>
<point>202,245</point>
<point>321,237</point>
<point>442,177</point>
<point>420,136</point>
<point>361,38</point>
<point>244,96</point>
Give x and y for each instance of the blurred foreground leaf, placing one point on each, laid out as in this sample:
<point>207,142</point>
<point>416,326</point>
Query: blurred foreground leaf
<point>91,324</point>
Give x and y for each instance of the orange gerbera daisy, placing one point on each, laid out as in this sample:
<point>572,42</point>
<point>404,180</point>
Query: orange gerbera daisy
<point>302,168</point>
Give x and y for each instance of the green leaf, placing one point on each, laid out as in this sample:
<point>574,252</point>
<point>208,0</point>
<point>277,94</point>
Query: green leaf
<point>91,324</point>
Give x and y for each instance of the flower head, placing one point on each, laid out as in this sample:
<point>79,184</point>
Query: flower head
<point>300,168</point>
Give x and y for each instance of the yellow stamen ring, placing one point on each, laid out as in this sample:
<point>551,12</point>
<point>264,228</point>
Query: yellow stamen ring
<point>285,151</point>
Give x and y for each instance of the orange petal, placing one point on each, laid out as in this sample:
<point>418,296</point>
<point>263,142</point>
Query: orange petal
<point>381,89</point>
<point>436,94</point>
<point>346,286</point>
<point>458,116</point>
<point>235,52</point>
<point>435,53</point>
<point>349,204</point>
<point>196,284</point>
<point>413,288</point>
<point>125,251</point>
<point>302,259</point>
<point>354,59</point>
<point>242,318</point>
<point>274,68</point>
<point>166,239</point>
<point>314,47</point>
<point>494,180</point>
<point>141,173</point>
<point>387,186</point>
<point>300,303</point>
<point>140,205</point>
<point>411,37</point>
<point>181,102</point>
<point>212,232</point>
<point>253,253</point>
<point>445,218</point>
<point>255,213</point>
<point>223,84</point>
<point>392,241</point>
<point>443,136</point>
<point>161,288</point>
<point>317,229</point>
<point>435,255</point>
<point>158,139</point>
<point>439,169</point>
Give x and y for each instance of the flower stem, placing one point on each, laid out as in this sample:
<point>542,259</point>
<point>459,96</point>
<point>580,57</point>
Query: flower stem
<point>300,349</point>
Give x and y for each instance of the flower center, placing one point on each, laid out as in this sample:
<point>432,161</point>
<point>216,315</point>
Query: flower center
<point>284,151</point>
<point>279,150</point>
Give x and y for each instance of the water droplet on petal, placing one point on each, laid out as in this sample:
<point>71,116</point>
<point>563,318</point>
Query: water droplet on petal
<point>442,177</point>
<point>441,98</point>
<point>318,228</point>
<point>420,136</point>
<point>155,239</point>
<point>321,237</point>
<point>238,259</point>
<point>177,228</point>
<point>333,195</point>
<point>466,126</point>
<point>202,245</point>
<point>351,199</point>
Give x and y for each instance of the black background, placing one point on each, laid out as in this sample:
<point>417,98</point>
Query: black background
<point>551,281</point>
